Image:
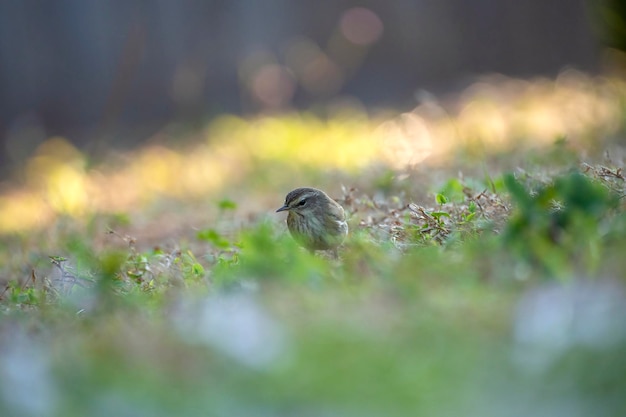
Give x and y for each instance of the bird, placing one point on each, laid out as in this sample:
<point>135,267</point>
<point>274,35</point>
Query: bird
<point>315,221</point>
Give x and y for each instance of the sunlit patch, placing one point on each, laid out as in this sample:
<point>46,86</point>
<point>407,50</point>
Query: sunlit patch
<point>298,140</point>
<point>494,114</point>
<point>483,121</point>
<point>57,174</point>
<point>114,191</point>
<point>67,191</point>
<point>204,170</point>
<point>157,169</point>
<point>23,210</point>
<point>361,26</point>
<point>501,113</point>
<point>407,143</point>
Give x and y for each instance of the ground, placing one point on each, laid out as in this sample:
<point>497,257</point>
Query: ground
<point>482,274</point>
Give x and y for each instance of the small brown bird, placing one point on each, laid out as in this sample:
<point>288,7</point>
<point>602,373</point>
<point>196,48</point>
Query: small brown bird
<point>316,221</point>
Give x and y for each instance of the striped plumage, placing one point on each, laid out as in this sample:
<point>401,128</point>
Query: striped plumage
<point>315,220</point>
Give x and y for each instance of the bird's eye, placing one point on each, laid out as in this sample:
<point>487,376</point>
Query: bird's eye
<point>302,202</point>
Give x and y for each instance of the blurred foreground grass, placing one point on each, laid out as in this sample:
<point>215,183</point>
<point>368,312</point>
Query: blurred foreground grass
<point>483,275</point>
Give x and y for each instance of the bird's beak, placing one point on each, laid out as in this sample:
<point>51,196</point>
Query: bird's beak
<point>283,208</point>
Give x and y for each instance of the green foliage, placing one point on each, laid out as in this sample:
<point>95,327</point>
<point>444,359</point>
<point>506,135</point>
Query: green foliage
<point>108,284</point>
<point>385,181</point>
<point>226,205</point>
<point>191,268</point>
<point>422,303</point>
<point>455,220</point>
<point>557,225</point>
<point>266,257</point>
<point>609,21</point>
<point>21,295</point>
<point>451,191</point>
<point>214,237</point>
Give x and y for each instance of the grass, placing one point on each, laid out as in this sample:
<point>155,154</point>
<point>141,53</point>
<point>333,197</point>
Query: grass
<point>486,279</point>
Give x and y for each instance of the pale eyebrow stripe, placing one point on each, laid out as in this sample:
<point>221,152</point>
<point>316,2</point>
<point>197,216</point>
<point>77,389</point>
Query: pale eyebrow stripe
<point>303,196</point>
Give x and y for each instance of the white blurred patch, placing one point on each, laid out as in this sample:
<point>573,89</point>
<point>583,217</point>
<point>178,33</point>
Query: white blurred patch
<point>26,385</point>
<point>237,326</point>
<point>555,318</point>
<point>408,140</point>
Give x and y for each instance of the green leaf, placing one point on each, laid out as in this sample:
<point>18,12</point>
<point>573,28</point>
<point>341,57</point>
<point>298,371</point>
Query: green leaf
<point>441,199</point>
<point>438,214</point>
<point>227,205</point>
<point>518,193</point>
<point>212,236</point>
<point>470,216</point>
<point>453,191</point>
<point>197,269</point>
<point>57,258</point>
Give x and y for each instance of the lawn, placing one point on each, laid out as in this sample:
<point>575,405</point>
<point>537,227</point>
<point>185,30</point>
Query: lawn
<point>483,274</point>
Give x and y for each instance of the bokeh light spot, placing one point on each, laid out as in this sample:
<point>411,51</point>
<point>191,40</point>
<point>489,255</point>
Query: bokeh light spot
<point>317,73</point>
<point>273,85</point>
<point>361,26</point>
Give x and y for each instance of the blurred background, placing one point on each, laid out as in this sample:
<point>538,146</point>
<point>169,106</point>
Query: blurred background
<point>111,74</point>
<point>144,149</point>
